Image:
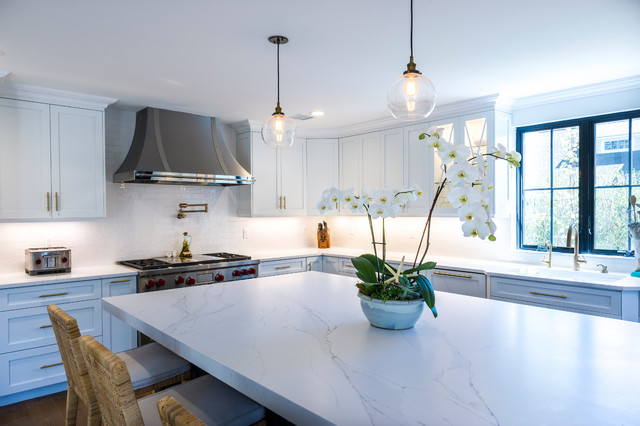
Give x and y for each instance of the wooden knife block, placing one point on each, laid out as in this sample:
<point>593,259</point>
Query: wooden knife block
<point>324,239</point>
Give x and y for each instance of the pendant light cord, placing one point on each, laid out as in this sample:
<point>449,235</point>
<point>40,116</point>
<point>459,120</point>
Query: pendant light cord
<point>278,56</point>
<point>411,37</point>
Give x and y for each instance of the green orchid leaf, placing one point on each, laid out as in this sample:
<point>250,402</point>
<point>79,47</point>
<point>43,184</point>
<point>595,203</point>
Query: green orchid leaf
<point>428,294</point>
<point>372,259</point>
<point>366,270</point>
<point>426,265</point>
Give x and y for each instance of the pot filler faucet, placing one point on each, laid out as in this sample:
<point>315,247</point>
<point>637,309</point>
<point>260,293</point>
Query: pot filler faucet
<point>577,259</point>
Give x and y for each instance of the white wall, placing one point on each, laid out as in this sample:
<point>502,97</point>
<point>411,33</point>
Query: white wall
<point>141,219</point>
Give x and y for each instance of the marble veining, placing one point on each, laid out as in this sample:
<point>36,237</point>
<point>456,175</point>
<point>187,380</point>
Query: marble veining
<point>300,345</point>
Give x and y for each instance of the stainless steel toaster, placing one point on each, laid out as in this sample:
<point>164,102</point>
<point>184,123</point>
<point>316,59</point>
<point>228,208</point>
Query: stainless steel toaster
<point>47,260</point>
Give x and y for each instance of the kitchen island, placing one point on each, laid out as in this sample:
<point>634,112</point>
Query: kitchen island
<point>300,345</point>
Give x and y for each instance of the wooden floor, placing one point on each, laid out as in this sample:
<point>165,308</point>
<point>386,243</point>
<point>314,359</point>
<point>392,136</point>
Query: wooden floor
<point>44,411</point>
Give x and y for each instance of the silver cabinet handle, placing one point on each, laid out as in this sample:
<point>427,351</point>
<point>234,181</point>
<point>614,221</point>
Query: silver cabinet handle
<point>449,274</point>
<point>559,296</point>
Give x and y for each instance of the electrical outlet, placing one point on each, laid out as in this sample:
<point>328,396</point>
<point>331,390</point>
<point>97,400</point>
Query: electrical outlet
<point>245,233</point>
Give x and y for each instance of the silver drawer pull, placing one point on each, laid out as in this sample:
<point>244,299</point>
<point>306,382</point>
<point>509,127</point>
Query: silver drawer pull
<point>51,365</point>
<point>449,274</point>
<point>283,267</point>
<point>46,326</point>
<point>120,281</point>
<point>52,295</point>
<point>559,296</point>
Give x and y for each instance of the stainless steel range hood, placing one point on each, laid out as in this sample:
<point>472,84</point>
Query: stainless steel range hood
<point>171,147</point>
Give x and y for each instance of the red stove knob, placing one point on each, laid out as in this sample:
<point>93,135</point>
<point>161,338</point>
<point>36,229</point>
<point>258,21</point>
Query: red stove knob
<point>252,270</point>
<point>64,260</point>
<point>38,261</point>
<point>179,279</point>
<point>237,273</point>
<point>219,277</point>
<point>245,272</point>
<point>151,283</point>
<point>191,281</point>
<point>160,282</point>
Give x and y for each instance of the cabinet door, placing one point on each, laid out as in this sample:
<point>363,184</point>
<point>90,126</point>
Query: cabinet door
<point>78,174</point>
<point>265,201</point>
<point>470,284</point>
<point>314,263</point>
<point>393,159</point>
<point>292,179</point>
<point>331,265</point>
<point>419,170</point>
<point>25,163</point>
<point>350,163</point>
<point>371,161</point>
<point>322,171</point>
<point>117,335</point>
<point>451,134</point>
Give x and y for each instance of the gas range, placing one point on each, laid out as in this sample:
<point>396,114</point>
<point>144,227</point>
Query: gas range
<point>160,273</point>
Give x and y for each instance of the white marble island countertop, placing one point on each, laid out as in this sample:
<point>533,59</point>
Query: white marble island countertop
<point>300,345</point>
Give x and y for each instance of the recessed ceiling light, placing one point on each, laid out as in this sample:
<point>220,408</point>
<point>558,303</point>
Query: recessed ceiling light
<point>317,113</point>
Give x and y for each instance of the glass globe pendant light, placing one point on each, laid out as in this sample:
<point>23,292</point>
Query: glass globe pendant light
<point>278,131</point>
<point>412,96</point>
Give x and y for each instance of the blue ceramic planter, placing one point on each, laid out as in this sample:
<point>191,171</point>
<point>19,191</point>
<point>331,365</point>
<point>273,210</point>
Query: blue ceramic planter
<point>391,315</point>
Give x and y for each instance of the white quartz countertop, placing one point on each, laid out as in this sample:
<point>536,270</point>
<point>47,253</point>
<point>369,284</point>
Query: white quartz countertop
<point>20,279</point>
<point>300,345</point>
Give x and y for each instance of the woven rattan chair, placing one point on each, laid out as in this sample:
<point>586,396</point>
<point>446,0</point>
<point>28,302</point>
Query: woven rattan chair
<point>155,367</point>
<point>174,414</point>
<point>210,400</point>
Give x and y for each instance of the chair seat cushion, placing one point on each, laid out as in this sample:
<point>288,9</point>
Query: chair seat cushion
<point>152,363</point>
<point>212,401</point>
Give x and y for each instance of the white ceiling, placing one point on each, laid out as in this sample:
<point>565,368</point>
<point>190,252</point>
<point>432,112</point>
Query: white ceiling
<point>212,57</point>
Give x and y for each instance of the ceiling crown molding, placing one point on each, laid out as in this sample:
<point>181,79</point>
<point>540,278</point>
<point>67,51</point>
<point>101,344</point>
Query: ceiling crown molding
<point>54,96</point>
<point>607,87</point>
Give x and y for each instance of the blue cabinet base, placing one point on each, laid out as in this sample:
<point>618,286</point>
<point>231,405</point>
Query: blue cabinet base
<point>33,393</point>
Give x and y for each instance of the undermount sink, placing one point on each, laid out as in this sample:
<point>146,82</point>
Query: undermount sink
<point>566,274</point>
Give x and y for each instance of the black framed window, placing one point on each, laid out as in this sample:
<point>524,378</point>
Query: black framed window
<point>582,173</point>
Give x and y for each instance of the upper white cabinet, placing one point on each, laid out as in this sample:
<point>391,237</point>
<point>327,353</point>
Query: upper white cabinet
<point>322,171</point>
<point>280,178</point>
<point>52,163</point>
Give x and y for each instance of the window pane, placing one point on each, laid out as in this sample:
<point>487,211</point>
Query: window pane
<point>611,219</point>
<point>536,217</point>
<point>635,154</point>
<point>565,214</point>
<point>566,143</point>
<point>475,133</point>
<point>449,136</point>
<point>536,148</point>
<point>612,153</point>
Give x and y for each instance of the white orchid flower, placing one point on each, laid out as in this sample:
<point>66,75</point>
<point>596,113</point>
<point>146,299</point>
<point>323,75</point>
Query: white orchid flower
<point>500,151</point>
<point>325,205</point>
<point>457,153</point>
<point>332,194</point>
<point>515,155</point>
<point>379,210</point>
<point>476,228</point>
<point>472,211</point>
<point>355,206</point>
<point>435,130</point>
<point>462,172</point>
<point>383,197</point>
<point>366,195</point>
<point>404,195</point>
<point>347,196</point>
<point>461,195</point>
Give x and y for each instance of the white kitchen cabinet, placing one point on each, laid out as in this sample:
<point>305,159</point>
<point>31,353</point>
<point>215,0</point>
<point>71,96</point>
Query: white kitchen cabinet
<point>586,300</point>
<point>459,282</point>
<point>280,178</point>
<point>282,266</point>
<point>118,336</point>
<point>52,166</point>
<point>361,162</point>
<point>338,265</point>
<point>322,171</point>
<point>314,263</point>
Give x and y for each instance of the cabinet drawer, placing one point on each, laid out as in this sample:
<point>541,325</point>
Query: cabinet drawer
<point>287,266</point>
<point>31,369</point>
<point>467,283</point>
<point>31,327</point>
<point>43,295</point>
<point>608,302</point>
<point>345,267</point>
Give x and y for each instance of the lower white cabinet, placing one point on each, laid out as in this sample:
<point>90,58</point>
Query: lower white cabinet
<point>569,298</point>
<point>338,265</point>
<point>30,363</point>
<point>282,266</point>
<point>314,263</point>
<point>117,335</point>
<point>459,282</point>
